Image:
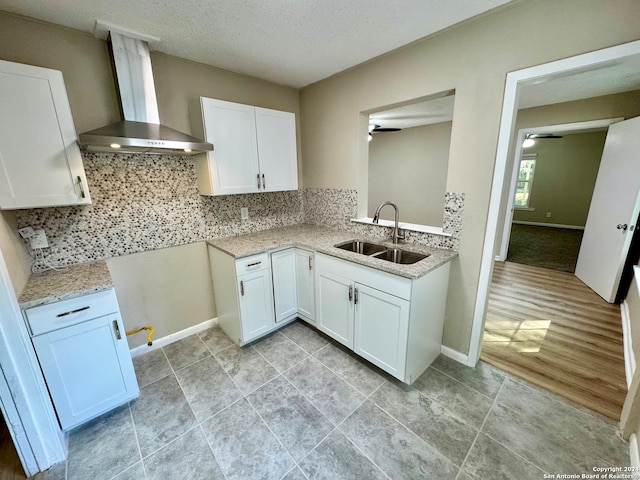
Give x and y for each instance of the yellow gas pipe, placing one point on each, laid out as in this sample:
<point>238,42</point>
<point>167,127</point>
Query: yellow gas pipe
<point>146,327</point>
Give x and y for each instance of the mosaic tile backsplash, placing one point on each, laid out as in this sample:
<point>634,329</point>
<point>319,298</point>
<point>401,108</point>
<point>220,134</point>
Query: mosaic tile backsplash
<point>336,208</point>
<point>148,202</point>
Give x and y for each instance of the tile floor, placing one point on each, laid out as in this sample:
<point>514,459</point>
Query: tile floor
<point>296,406</point>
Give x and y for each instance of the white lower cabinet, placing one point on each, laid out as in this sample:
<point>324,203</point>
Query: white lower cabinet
<point>334,295</point>
<point>83,352</point>
<point>256,303</point>
<point>243,293</point>
<point>304,284</point>
<point>285,291</point>
<point>381,328</point>
<point>394,322</point>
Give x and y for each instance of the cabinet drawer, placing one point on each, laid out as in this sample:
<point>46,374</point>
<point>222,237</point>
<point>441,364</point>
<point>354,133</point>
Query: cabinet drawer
<point>53,316</point>
<point>253,263</point>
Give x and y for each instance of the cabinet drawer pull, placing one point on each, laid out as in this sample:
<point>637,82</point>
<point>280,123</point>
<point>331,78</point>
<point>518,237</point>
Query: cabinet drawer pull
<point>82,195</point>
<point>241,288</point>
<point>350,292</point>
<point>264,185</point>
<point>116,329</point>
<point>77,310</point>
<point>258,176</point>
<point>254,264</point>
<point>310,263</point>
<point>355,297</point>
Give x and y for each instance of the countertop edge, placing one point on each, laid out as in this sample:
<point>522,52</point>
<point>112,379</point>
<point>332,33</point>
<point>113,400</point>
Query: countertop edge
<point>66,296</point>
<point>366,261</point>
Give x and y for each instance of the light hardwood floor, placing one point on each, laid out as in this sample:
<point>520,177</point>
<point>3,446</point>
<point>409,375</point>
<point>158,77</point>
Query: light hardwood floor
<point>550,329</point>
<point>10,466</point>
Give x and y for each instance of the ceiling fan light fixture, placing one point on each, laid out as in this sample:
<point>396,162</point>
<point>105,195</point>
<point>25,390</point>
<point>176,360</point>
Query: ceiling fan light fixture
<point>528,142</point>
<point>369,137</point>
<point>372,127</point>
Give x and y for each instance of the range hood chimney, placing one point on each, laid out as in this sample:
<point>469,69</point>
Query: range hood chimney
<point>140,132</point>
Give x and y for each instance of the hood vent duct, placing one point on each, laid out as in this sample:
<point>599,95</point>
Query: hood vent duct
<point>140,132</point>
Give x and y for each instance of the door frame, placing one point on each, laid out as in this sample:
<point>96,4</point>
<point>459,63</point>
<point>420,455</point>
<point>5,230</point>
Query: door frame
<point>24,398</point>
<point>501,256</point>
<point>505,136</point>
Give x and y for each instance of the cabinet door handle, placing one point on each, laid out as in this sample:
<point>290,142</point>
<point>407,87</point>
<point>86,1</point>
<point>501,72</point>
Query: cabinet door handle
<point>258,177</point>
<point>355,297</point>
<point>264,185</point>
<point>77,310</point>
<point>82,195</point>
<point>241,288</point>
<point>350,292</point>
<point>116,328</point>
<point>254,264</point>
<point>310,263</point>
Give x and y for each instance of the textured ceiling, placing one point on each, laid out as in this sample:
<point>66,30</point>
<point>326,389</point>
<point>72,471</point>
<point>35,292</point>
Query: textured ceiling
<point>291,42</point>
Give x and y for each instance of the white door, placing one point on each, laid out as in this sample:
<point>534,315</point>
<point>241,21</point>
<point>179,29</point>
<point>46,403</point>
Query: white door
<point>283,267</point>
<point>304,287</point>
<point>381,329</point>
<point>334,295</point>
<point>233,163</point>
<point>613,213</point>
<point>256,304</point>
<point>277,154</point>
<point>88,369</point>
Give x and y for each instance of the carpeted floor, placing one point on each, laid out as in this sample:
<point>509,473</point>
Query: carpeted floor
<point>546,247</point>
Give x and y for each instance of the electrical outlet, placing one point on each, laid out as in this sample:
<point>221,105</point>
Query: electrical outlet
<point>244,213</point>
<point>548,214</point>
<point>26,232</point>
<point>39,239</point>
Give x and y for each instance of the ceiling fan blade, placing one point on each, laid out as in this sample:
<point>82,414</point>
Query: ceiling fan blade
<point>385,129</point>
<point>545,135</point>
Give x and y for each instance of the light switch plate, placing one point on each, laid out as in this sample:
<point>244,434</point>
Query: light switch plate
<point>39,239</point>
<point>244,213</point>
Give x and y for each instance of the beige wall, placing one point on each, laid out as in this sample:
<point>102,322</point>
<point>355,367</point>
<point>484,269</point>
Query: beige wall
<point>14,252</point>
<point>168,289</point>
<point>565,174</point>
<point>473,59</point>
<point>171,288</point>
<point>621,105</point>
<point>409,168</point>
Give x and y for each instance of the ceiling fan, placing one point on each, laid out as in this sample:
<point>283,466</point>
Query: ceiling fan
<point>378,129</point>
<point>529,139</point>
<point>543,135</point>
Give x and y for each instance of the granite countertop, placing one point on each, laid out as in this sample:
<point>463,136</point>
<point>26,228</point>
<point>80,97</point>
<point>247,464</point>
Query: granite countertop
<point>323,239</point>
<point>55,285</point>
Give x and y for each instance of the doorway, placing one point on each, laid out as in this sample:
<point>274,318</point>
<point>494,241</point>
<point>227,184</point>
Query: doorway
<point>519,87</point>
<point>553,176</point>
<point>543,324</point>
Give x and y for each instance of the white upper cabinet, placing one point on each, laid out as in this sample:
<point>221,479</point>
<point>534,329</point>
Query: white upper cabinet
<point>40,160</point>
<point>254,149</point>
<point>277,149</point>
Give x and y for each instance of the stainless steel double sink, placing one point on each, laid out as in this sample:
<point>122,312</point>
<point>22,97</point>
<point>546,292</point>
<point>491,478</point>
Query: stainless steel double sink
<point>390,254</point>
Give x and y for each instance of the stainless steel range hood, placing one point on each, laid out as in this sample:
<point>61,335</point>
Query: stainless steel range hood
<point>140,132</point>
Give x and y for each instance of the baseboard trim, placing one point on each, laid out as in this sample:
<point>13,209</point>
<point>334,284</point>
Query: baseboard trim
<point>455,355</point>
<point>173,337</point>
<point>629,357</point>
<point>634,454</point>
<point>552,225</point>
